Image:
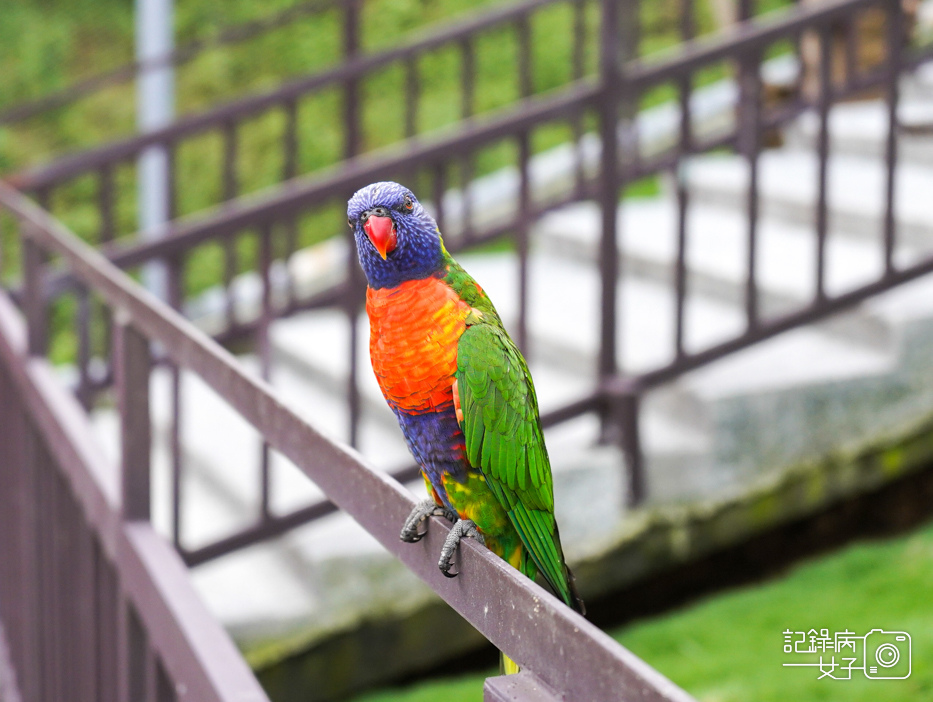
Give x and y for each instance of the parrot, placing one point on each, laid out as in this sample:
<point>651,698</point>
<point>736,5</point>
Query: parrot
<point>460,390</point>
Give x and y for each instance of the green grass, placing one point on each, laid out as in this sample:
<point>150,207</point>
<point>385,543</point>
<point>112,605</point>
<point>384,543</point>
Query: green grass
<point>728,648</point>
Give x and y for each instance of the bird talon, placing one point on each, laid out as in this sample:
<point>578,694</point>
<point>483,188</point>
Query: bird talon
<point>410,529</point>
<point>463,528</point>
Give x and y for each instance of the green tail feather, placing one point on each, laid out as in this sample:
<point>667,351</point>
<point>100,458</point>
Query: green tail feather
<point>507,666</point>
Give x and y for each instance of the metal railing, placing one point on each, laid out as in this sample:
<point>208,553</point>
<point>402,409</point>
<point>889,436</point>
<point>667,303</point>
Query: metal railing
<point>96,607</point>
<point>63,583</point>
<point>357,81</point>
<point>434,166</point>
<point>348,79</point>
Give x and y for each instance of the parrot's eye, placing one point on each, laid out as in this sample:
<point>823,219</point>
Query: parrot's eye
<point>408,204</point>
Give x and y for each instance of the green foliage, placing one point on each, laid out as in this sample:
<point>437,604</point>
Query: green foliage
<point>728,648</point>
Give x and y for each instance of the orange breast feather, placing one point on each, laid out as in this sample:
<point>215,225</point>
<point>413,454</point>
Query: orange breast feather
<point>414,330</point>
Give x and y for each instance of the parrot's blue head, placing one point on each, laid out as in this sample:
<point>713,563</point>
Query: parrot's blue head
<point>396,239</point>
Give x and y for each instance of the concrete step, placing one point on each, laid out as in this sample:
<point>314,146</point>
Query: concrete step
<point>861,129</point>
<point>716,257</point>
<point>856,188</point>
<point>919,85</point>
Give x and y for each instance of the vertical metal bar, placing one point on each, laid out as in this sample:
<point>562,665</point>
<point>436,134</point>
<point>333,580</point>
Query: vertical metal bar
<point>684,86</point>
<point>171,180</point>
<point>176,455</point>
<point>525,77</point>
<point>578,63</point>
<point>825,100</point>
<point>750,146</point>
<point>412,91</point>
<point>34,304</point>
<point>524,223</point>
<point>850,31</point>
<point>165,690</point>
<point>44,198</point>
<point>105,204</point>
<point>231,187</point>
<point>467,73</point>
<point>3,253</point>
<point>352,146</point>
<point>64,584</point>
<point>895,41</point>
<point>267,313</point>
<point>440,187</point>
<point>353,391</point>
<point>611,82</point>
<point>265,349</point>
<point>107,606</point>
<point>290,140</point>
<point>133,651</point>
<point>466,178</point>
<point>86,643</point>
<point>152,673</point>
<point>230,180</point>
<point>467,70</point>
<point>132,361</point>
<point>627,405</point>
<point>351,46</point>
<point>84,346</point>
<point>46,619</point>
<point>351,309</point>
<point>175,268</point>
<point>290,170</point>
<point>30,661</point>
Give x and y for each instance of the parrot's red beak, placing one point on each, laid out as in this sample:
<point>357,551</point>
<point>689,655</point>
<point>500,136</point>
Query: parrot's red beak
<point>381,231</point>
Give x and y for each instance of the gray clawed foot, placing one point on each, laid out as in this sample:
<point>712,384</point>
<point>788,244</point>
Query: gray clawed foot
<point>463,528</point>
<point>423,510</point>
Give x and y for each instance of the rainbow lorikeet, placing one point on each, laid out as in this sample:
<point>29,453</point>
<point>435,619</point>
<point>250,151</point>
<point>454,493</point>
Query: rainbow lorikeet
<point>460,389</point>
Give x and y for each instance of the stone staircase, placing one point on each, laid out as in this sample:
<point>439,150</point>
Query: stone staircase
<point>716,431</point>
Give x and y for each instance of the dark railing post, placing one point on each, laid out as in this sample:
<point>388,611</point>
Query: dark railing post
<point>267,314</point>
<point>749,140</point>
<point>822,148</point>
<point>34,303</point>
<point>175,267</point>
<point>351,108</point>
<point>132,366</point>
<point>526,88</point>
<point>619,419</point>
<point>627,409</point>
<point>610,74</point>
<point>895,42</point>
<point>684,87</point>
<point>522,236</point>
<point>351,48</point>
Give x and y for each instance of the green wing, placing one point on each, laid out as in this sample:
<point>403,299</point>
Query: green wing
<point>504,440</point>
